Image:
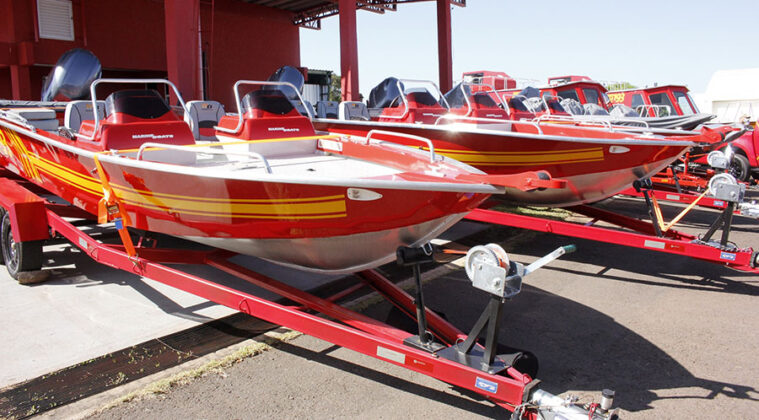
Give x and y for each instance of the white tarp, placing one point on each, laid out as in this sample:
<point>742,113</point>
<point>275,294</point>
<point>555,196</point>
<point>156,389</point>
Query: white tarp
<point>733,93</point>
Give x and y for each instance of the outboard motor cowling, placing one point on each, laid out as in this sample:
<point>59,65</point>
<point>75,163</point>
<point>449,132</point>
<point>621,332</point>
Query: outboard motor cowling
<point>384,94</point>
<point>290,75</point>
<point>72,76</point>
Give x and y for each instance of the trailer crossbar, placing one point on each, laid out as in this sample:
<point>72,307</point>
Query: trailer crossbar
<point>674,242</point>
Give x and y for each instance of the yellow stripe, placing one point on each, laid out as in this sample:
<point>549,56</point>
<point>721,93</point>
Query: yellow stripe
<point>517,153</point>
<point>23,155</point>
<point>308,208</point>
<point>527,159</point>
<point>83,182</point>
<point>324,207</point>
<point>249,216</point>
<point>90,184</point>
<point>230,208</point>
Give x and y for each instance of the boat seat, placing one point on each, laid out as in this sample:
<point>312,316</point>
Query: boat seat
<point>269,115</point>
<point>78,111</point>
<point>327,109</point>
<point>303,110</point>
<point>594,109</point>
<point>39,118</point>
<point>423,108</point>
<point>135,117</point>
<point>202,117</point>
<point>352,110</point>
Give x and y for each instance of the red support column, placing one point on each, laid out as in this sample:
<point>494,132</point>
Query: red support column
<point>21,85</point>
<point>348,50</point>
<point>444,50</point>
<point>182,40</point>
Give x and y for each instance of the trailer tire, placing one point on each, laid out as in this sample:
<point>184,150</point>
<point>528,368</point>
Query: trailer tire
<point>18,256</point>
<point>740,168</point>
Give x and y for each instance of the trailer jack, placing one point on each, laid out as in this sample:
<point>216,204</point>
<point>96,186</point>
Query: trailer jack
<point>489,269</point>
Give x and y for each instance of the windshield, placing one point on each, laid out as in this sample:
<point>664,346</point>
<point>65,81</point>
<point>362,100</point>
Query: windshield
<point>682,102</point>
<point>591,96</point>
<point>568,94</point>
<point>662,101</point>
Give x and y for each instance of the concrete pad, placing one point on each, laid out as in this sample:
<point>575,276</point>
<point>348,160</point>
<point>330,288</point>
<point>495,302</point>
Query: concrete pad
<point>86,310</point>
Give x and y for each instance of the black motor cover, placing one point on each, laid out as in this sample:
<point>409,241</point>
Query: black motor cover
<point>290,75</point>
<point>72,75</point>
<point>383,95</point>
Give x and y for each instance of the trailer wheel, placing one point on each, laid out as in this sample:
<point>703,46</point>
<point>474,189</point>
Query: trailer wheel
<point>18,256</point>
<point>740,168</point>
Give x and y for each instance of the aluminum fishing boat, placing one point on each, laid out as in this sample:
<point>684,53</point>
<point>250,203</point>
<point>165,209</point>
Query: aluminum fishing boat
<point>596,160</point>
<point>274,189</point>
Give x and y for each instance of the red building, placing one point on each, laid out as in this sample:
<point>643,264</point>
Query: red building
<point>203,46</point>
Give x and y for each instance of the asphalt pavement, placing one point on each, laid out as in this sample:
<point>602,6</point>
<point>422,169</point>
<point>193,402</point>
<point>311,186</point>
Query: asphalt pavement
<point>673,336</point>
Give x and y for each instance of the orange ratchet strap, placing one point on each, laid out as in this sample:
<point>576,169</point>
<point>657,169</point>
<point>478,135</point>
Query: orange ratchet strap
<point>110,207</point>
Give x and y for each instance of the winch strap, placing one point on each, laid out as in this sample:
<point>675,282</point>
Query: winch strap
<point>110,205</point>
<point>668,226</point>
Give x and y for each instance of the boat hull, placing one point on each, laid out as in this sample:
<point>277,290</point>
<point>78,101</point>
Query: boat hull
<point>594,168</point>
<point>326,228</point>
<point>337,254</point>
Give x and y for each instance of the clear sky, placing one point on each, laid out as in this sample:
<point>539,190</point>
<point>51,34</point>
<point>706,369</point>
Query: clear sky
<point>638,41</point>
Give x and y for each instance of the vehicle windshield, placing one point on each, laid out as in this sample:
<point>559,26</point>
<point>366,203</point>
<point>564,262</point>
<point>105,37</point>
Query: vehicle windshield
<point>683,103</point>
<point>692,103</point>
<point>664,105</point>
<point>568,94</point>
<point>591,96</point>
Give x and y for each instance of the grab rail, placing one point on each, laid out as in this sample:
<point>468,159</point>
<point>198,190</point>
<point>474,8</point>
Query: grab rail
<point>197,150</point>
<point>260,83</point>
<point>93,87</point>
<point>493,120</point>
<point>645,108</point>
<point>425,140</point>
<point>563,118</point>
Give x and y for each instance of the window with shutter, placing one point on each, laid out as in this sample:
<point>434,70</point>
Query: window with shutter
<point>55,19</point>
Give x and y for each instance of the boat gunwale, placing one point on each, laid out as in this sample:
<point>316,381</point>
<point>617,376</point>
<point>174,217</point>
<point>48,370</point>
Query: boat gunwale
<point>396,184</point>
<point>653,141</point>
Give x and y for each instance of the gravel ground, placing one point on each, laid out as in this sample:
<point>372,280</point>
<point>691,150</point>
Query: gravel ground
<point>673,336</point>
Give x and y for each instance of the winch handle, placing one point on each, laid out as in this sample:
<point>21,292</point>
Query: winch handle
<point>558,252</point>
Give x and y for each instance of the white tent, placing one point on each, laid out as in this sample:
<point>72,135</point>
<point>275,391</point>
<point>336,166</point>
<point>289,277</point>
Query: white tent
<point>732,94</point>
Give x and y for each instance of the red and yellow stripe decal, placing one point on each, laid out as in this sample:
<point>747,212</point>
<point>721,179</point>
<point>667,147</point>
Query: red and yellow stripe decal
<point>322,207</point>
<point>12,142</point>
<point>475,158</point>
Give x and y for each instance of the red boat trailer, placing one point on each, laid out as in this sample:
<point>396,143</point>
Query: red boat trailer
<point>34,219</point>
<point>663,193</point>
<point>639,234</point>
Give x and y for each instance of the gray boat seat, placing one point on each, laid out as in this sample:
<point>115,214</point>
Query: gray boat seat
<point>304,110</point>
<point>78,111</point>
<point>326,109</point>
<point>39,118</point>
<point>203,116</point>
<point>311,108</point>
<point>353,110</point>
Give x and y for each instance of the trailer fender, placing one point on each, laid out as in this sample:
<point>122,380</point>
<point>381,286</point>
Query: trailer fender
<point>27,211</point>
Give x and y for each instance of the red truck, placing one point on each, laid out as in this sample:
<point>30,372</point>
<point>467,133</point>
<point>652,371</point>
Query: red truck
<point>668,100</point>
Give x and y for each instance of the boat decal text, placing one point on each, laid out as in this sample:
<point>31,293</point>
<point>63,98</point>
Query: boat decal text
<point>284,130</point>
<point>153,136</point>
